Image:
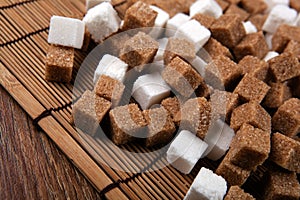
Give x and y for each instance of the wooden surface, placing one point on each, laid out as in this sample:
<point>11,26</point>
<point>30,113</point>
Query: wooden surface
<point>31,165</point>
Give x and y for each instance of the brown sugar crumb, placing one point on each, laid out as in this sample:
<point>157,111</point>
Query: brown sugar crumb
<point>110,89</point>
<point>294,48</point>
<point>59,64</point>
<point>196,116</point>
<point>250,147</point>
<point>179,47</point>
<point>279,93</point>
<point>228,29</point>
<point>127,122</point>
<point>223,4</point>
<point>234,9</point>
<point>222,72</point>
<point>160,126</point>
<point>285,152</point>
<point>283,35</point>
<point>172,105</point>
<point>181,76</point>
<point>254,67</point>
<point>252,44</point>
<point>295,4</point>
<point>251,113</point>
<point>287,118</point>
<point>251,89</point>
<point>139,50</point>
<point>204,20</point>
<point>237,193</point>
<point>139,15</point>
<point>254,6</point>
<point>258,20</point>
<point>215,49</point>
<point>89,111</point>
<point>284,67</point>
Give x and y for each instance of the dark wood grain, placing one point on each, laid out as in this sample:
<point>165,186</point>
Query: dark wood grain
<point>31,165</point>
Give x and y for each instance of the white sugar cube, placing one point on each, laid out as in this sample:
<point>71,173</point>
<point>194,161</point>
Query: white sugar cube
<point>92,3</point>
<point>66,31</point>
<point>150,89</point>
<point>102,21</point>
<point>249,27</point>
<point>268,38</point>
<point>174,23</point>
<point>160,22</point>
<point>270,55</point>
<point>185,151</point>
<point>272,3</point>
<point>280,14</point>
<point>206,7</point>
<point>207,185</point>
<point>194,32</point>
<point>111,66</point>
<point>161,49</point>
<point>199,65</point>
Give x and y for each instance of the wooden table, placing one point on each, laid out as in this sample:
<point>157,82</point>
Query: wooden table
<point>31,165</point>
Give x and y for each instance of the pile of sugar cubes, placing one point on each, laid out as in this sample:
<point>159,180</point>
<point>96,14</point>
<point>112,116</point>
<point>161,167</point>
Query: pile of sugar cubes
<point>238,105</point>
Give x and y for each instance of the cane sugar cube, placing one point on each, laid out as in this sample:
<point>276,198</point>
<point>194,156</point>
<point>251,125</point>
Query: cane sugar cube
<point>102,21</point>
<point>223,4</point>
<point>284,67</point>
<point>215,49</point>
<point>182,77</point>
<point>270,55</point>
<point>127,122</point>
<point>139,15</point>
<point>284,35</point>
<point>277,95</point>
<point>204,20</point>
<point>185,151</point>
<point>237,193</point>
<point>59,63</point>
<point>285,152</point>
<point>150,89</point>
<point>251,113</point>
<point>89,111</point>
<point>228,29</point>
<point>110,89</point>
<point>280,14</point>
<point>250,147</point>
<point>255,6</point>
<point>160,22</point>
<point>249,27</point>
<point>160,126</point>
<point>92,3</point>
<point>287,118</point>
<point>294,48</point>
<point>194,32</point>
<point>139,50</point>
<point>195,116</point>
<point>222,73</point>
<point>199,65</point>
<point>179,47</point>
<point>207,185</point>
<point>235,10</point>
<point>252,44</point>
<point>172,105</point>
<point>111,66</point>
<point>174,6</point>
<point>175,22</point>
<point>207,7</point>
<point>66,31</point>
<point>161,49</point>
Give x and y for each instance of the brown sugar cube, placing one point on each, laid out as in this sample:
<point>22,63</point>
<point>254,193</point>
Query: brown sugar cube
<point>285,152</point>
<point>252,44</point>
<point>281,185</point>
<point>234,9</point>
<point>254,6</point>
<point>160,126</point>
<point>284,67</point>
<point>295,4</point>
<point>174,6</point>
<point>116,43</point>
<point>215,49</point>
<point>237,193</point>
<point>251,89</point>
<point>86,40</point>
<point>283,35</point>
<point>89,111</point>
<point>258,20</point>
<point>121,9</point>
<point>251,113</point>
<point>234,175</point>
<point>172,105</point>
<point>139,15</point>
<point>127,122</point>
<point>294,48</point>
<point>223,4</point>
<point>250,147</point>
<point>195,116</point>
<point>294,84</point>
<point>59,64</point>
<point>204,20</point>
<point>182,77</point>
<point>287,118</point>
<point>139,50</point>
<point>179,47</point>
<point>110,89</point>
<point>254,67</point>
<point>222,73</point>
<point>279,93</point>
<point>228,29</point>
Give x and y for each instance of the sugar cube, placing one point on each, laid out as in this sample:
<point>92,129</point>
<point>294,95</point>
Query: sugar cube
<point>233,9</point>
<point>208,7</point>
<point>161,49</point>
<point>175,22</point>
<point>235,193</point>
<point>254,6</point>
<point>270,55</point>
<point>204,20</point>
<point>160,22</point>
<point>249,27</point>
<point>92,3</point>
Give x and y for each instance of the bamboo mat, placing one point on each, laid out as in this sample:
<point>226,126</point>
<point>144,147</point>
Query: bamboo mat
<point>23,41</point>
